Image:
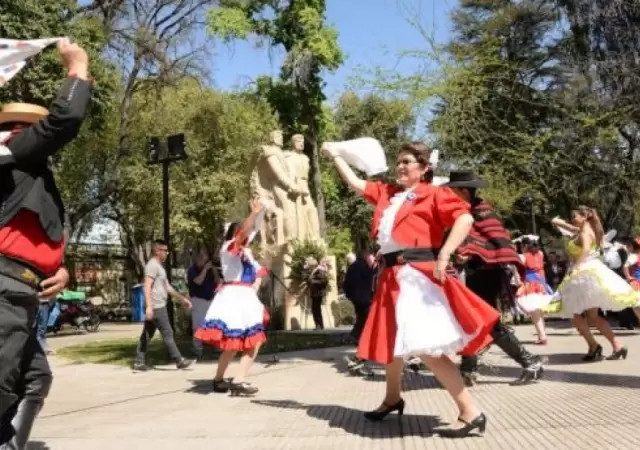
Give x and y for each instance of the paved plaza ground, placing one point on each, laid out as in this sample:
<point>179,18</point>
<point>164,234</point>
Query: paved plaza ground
<point>307,402</point>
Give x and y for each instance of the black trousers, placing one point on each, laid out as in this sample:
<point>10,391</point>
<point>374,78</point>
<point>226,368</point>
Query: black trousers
<point>25,376</point>
<point>362,312</point>
<point>160,322</point>
<point>316,310</point>
<point>488,284</point>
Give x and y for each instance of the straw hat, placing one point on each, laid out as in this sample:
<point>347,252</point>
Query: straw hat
<point>22,113</point>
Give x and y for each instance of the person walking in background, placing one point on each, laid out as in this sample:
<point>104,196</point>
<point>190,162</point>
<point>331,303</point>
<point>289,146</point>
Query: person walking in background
<point>358,288</point>
<point>202,281</point>
<point>42,324</point>
<point>554,270</point>
<point>318,283</point>
<point>156,292</point>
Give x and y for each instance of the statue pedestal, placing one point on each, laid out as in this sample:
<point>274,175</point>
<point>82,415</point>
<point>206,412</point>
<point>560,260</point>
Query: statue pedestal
<point>297,310</point>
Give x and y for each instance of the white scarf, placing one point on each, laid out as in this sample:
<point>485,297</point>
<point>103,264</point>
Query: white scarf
<point>14,55</point>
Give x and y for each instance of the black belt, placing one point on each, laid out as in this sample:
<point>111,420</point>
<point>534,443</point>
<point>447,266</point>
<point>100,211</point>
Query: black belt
<point>409,255</point>
<point>20,271</point>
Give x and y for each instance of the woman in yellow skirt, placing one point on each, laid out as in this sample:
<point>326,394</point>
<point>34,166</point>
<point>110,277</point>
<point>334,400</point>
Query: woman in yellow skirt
<point>590,284</point>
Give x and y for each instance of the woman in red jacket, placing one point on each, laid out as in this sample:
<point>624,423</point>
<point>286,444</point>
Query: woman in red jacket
<point>418,309</point>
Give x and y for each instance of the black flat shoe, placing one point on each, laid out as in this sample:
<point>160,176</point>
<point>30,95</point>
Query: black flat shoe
<point>593,355</point>
<point>620,354</point>
<point>479,423</point>
<point>378,415</point>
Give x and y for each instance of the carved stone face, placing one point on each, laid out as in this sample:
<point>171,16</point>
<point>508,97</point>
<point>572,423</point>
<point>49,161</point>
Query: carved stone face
<point>276,138</point>
<point>297,142</point>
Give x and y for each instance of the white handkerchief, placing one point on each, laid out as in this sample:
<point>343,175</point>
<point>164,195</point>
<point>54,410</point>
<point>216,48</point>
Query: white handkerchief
<point>14,55</point>
<point>439,181</point>
<point>365,154</point>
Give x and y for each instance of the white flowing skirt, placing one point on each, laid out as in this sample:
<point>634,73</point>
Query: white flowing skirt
<point>235,319</point>
<point>593,285</point>
<point>426,324</point>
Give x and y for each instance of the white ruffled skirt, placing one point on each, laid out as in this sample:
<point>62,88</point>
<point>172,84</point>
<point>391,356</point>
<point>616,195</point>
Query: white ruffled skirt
<point>426,324</point>
<point>592,285</point>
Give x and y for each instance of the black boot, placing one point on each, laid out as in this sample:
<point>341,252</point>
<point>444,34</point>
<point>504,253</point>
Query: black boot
<point>469,370</point>
<point>22,423</point>
<point>509,343</point>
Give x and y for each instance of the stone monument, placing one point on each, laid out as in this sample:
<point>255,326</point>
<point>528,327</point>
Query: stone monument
<point>306,212</point>
<point>280,179</point>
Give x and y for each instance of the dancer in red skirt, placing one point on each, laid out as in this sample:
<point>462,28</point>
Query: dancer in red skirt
<point>235,321</point>
<point>418,309</point>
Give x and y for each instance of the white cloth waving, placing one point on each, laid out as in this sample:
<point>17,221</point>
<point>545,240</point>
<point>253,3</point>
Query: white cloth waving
<point>365,154</point>
<point>14,55</point>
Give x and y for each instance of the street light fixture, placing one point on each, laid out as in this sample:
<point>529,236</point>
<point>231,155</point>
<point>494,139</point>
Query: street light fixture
<point>164,153</point>
<point>529,201</point>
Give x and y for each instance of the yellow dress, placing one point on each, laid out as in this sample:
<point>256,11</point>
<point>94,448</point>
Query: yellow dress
<point>591,284</point>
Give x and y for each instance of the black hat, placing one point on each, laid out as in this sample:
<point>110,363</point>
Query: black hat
<point>465,179</point>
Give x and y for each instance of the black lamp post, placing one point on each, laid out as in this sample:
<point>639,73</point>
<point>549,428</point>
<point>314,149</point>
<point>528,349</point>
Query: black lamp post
<point>165,153</point>
<point>529,200</point>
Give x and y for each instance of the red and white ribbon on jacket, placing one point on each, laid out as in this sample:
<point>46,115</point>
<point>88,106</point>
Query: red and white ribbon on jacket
<point>14,55</point>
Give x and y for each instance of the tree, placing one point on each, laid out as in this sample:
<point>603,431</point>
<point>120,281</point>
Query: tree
<point>206,190</point>
<point>149,41</point>
<point>311,46</point>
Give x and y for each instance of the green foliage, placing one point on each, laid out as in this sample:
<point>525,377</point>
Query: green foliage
<point>516,97</point>
<point>222,132</point>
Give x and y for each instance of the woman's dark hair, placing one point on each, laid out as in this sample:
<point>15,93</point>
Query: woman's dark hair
<point>421,153</point>
<point>519,247</point>
<point>231,231</point>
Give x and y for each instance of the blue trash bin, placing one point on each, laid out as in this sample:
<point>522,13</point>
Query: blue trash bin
<point>137,303</point>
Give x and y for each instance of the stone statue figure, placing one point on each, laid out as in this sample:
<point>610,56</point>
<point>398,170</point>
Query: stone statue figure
<point>307,214</point>
<point>271,180</point>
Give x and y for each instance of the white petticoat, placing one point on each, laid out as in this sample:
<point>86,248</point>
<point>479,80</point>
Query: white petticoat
<point>593,285</point>
<point>426,324</point>
<point>533,302</point>
<point>235,309</point>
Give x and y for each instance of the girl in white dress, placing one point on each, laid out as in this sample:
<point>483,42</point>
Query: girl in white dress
<point>235,321</point>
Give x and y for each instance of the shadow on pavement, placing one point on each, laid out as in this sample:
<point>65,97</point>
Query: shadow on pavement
<point>37,445</point>
<point>352,421</point>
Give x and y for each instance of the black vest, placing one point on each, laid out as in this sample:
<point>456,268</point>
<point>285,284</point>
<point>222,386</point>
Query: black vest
<point>33,189</point>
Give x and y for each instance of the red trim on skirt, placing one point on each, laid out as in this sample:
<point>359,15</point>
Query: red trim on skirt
<point>215,337</point>
<point>530,287</point>
<point>378,337</point>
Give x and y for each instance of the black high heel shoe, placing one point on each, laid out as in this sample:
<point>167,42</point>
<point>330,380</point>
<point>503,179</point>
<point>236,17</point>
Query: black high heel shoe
<point>622,353</point>
<point>479,423</point>
<point>594,354</point>
<point>378,415</point>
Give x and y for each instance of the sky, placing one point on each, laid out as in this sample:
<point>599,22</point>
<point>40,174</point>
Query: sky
<point>372,33</point>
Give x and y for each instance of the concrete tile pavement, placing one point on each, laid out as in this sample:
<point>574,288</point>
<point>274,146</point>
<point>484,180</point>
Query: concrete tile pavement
<point>307,403</point>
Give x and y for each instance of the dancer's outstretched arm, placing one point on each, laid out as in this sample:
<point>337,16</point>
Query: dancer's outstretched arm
<point>247,226</point>
<point>558,222</point>
<point>346,173</point>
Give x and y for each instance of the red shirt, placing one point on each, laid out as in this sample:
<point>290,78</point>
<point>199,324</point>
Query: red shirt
<point>24,239</point>
<point>535,262</point>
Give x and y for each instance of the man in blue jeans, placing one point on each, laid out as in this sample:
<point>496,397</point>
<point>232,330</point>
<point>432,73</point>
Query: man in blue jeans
<point>42,323</point>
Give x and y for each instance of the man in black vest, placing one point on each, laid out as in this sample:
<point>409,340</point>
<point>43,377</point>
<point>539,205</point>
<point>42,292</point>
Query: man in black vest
<point>486,254</point>
<point>32,240</point>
